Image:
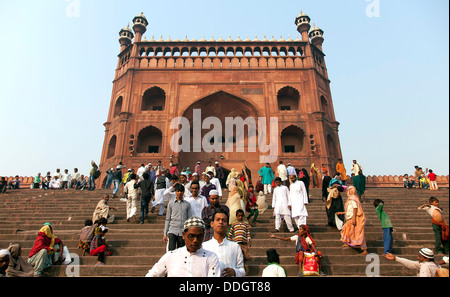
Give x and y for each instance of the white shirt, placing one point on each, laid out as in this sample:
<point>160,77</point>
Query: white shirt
<point>140,172</point>
<point>130,190</point>
<point>282,172</point>
<point>201,183</point>
<point>356,168</point>
<point>298,198</point>
<point>273,270</point>
<point>215,181</point>
<point>295,238</point>
<point>169,194</point>
<point>211,168</point>
<point>181,263</point>
<point>65,177</point>
<point>197,204</point>
<point>280,201</point>
<point>350,207</point>
<point>187,190</point>
<point>54,184</point>
<point>75,175</point>
<point>425,269</point>
<point>430,209</point>
<point>229,253</point>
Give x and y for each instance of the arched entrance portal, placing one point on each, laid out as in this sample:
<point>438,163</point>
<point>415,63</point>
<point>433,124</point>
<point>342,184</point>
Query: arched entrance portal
<point>232,149</point>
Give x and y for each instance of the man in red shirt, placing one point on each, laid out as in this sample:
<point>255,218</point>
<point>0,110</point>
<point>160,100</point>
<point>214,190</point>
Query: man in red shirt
<point>432,178</point>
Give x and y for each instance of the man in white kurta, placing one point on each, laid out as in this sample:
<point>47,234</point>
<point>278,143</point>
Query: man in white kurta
<point>132,197</point>
<point>231,259</point>
<point>161,185</point>
<point>281,205</point>
<point>298,198</point>
<point>356,168</point>
<point>191,260</point>
<point>140,172</point>
<point>216,182</point>
<point>282,173</point>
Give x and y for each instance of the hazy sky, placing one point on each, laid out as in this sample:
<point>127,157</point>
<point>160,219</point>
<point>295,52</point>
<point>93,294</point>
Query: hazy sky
<point>388,65</point>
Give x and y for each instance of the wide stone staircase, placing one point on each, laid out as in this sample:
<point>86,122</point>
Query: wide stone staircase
<point>136,247</point>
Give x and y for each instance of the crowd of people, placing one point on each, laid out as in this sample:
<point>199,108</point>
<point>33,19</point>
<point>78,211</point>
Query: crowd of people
<point>57,180</point>
<point>213,238</point>
<point>421,180</point>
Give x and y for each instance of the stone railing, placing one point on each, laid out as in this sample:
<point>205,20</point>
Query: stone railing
<point>219,54</point>
<point>380,181</point>
<point>396,181</point>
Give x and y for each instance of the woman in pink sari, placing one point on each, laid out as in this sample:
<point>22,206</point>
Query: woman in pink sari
<point>352,233</point>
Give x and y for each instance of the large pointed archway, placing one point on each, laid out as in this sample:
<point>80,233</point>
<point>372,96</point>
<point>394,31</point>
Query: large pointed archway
<point>231,149</point>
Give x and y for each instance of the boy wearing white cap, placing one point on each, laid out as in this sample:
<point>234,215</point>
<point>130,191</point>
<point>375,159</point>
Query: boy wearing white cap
<point>426,265</point>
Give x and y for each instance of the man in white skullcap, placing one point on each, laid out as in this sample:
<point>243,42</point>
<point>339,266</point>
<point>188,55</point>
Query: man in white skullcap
<point>209,211</point>
<point>426,265</point>
<point>298,198</point>
<point>4,262</point>
<point>216,182</point>
<point>191,260</point>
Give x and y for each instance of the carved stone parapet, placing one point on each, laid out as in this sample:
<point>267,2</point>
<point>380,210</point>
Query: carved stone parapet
<point>107,125</point>
<point>124,116</point>
<point>318,115</point>
<point>335,125</point>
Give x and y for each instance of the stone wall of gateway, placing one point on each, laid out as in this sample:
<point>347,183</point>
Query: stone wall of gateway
<point>372,181</point>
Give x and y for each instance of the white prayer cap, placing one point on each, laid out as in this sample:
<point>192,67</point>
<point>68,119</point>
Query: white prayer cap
<point>149,164</point>
<point>217,162</point>
<point>4,253</point>
<point>445,258</point>
<point>198,162</point>
<point>427,253</point>
<point>184,173</point>
<point>195,173</point>
<point>213,192</point>
<point>194,222</point>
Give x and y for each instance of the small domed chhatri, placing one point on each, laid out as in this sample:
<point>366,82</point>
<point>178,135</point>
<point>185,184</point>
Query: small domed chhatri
<point>126,37</point>
<point>303,25</point>
<point>140,24</point>
<point>316,36</point>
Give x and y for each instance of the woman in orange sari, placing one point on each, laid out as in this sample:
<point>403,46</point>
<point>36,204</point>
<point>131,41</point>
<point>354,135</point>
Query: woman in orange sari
<point>352,233</point>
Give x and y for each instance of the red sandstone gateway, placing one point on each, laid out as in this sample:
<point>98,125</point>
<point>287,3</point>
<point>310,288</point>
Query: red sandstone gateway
<point>159,80</point>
